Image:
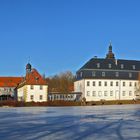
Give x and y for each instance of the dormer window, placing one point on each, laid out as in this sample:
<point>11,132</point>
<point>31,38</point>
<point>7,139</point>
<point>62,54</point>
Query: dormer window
<point>122,66</point>
<point>110,66</point>
<point>130,75</point>
<point>36,78</point>
<point>93,74</point>
<point>103,74</point>
<point>134,67</point>
<point>117,74</point>
<point>98,65</point>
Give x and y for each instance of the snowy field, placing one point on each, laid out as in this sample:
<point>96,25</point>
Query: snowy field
<point>120,122</point>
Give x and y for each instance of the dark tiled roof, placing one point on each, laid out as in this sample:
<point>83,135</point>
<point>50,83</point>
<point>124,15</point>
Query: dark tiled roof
<point>115,64</point>
<point>99,65</point>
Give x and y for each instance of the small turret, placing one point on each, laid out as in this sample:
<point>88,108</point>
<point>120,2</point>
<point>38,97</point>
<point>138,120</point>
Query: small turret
<point>110,54</point>
<point>28,68</point>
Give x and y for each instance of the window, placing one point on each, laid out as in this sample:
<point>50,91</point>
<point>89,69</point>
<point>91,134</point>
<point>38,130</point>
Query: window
<point>61,96</point>
<point>100,84</point>
<point>130,75</point>
<point>57,97</point>
<point>81,74</point>
<point>130,84</point>
<point>135,84</point>
<point>117,74</point>
<point>111,93</point>
<point>72,96</point>
<point>99,93</point>
<point>123,84</point>
<point>40,97</point>
<point>123,93</point>
<point>122,66</point>
<point>103,74</point>
<point>98,65</point>
<point>110,66</point>
<point>31,87</point>
<point>41,87</point>
<point>105,83</point>
<point>88,93</point>
<point>134,67</point>
<point>117,84</point>
<point>111,83</point>
<point>32,97</point>
<point>130,93</point>
<point>88,83</point>
<point>94,93</point>
<point>93,73</point>
<point>94,83</point>
<point>105,93</point>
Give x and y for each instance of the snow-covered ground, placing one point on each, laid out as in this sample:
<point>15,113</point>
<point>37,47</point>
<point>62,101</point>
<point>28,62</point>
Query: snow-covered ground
<point>120,122</point>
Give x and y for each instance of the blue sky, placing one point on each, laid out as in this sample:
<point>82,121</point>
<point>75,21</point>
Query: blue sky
<point>61,35</point>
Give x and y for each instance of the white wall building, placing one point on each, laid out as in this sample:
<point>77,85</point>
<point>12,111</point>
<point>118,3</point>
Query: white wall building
<point>33,87</point>
<point>108,79</point>
<point>7,87</point>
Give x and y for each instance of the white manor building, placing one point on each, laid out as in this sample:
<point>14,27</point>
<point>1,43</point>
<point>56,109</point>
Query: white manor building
<point>108,79</point>
<point>33,87</point>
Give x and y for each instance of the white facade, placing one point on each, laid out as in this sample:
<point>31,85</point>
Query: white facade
<point>29,93</point>
<point>106,89</point>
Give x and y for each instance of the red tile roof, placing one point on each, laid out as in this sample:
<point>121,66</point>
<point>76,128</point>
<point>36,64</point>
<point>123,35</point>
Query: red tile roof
<point>33,78</point>
<point>10,81</point>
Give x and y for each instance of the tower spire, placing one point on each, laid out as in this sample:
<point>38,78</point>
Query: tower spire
<point>110,47</point>
<point>28,66</point>
<point>110,54</point>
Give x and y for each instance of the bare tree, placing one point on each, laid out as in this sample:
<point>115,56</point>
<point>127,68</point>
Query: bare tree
<point>62,82</point>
